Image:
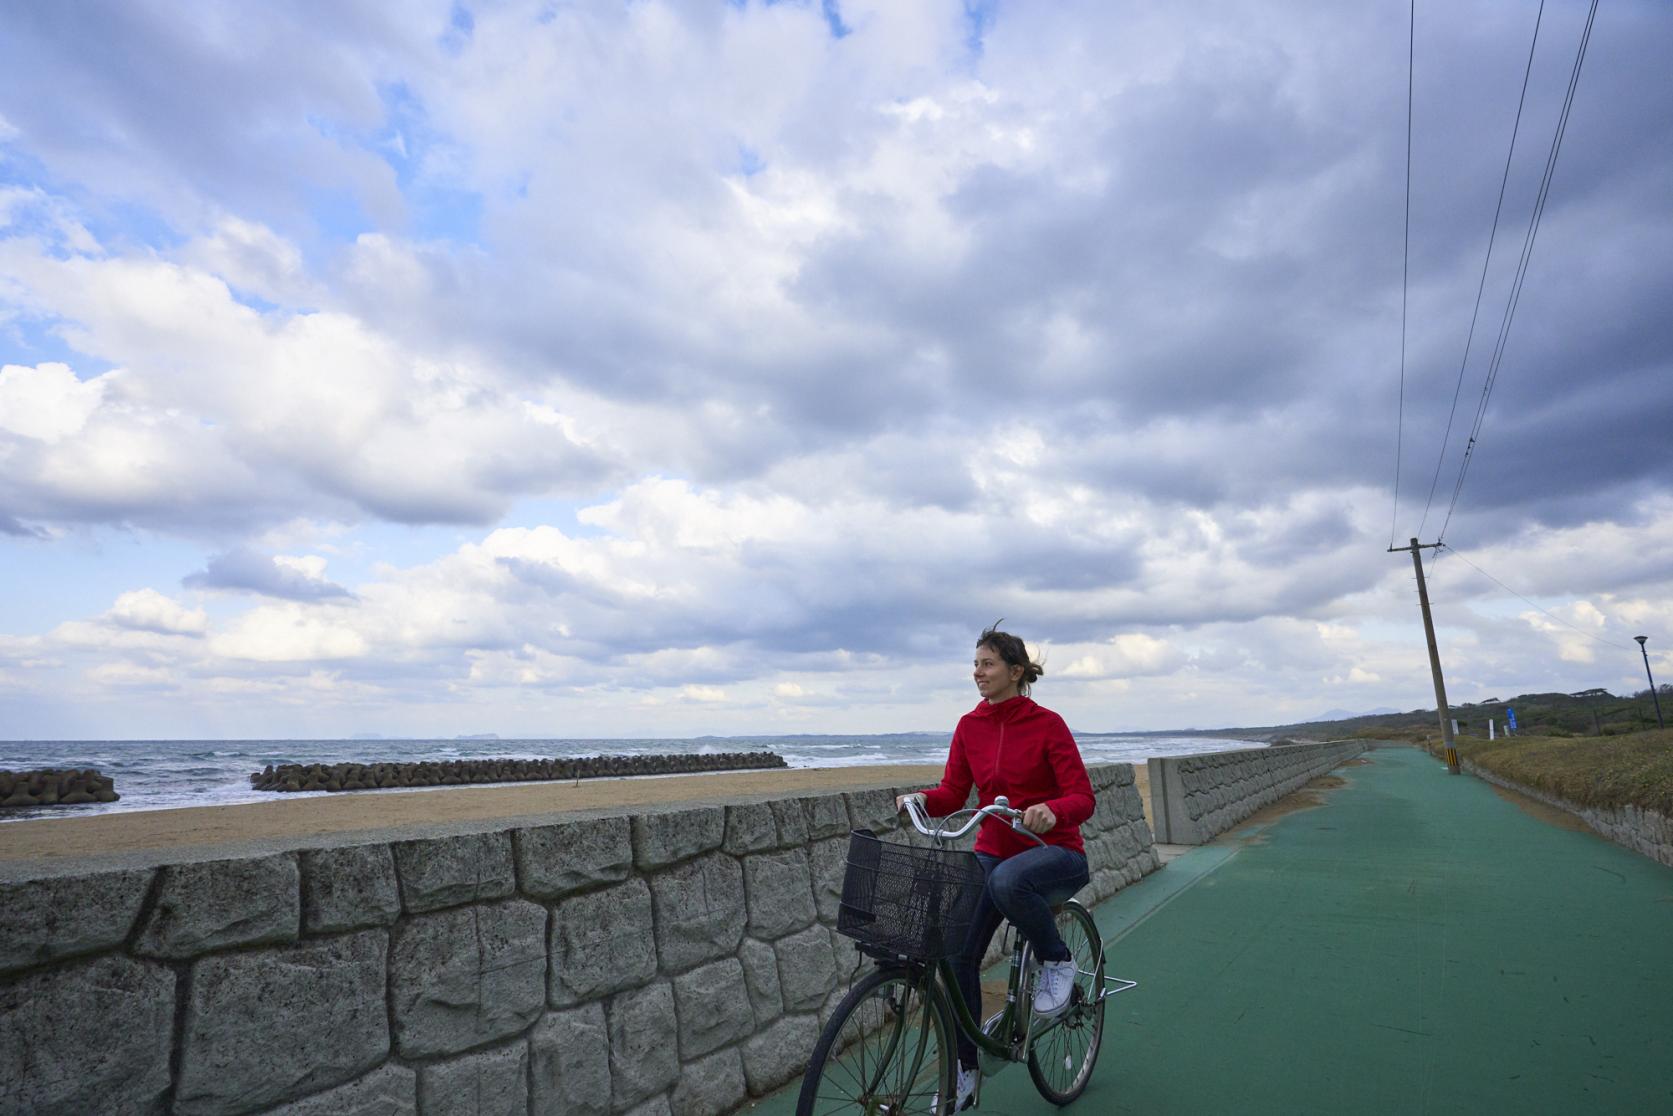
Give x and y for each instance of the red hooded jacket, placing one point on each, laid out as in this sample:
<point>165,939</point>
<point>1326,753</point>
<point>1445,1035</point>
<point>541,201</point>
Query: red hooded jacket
<point>1025,752</point>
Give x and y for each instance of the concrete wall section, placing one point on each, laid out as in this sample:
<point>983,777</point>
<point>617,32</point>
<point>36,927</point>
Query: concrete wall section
<point>1643,831</point>
<point>677,961</point>
<point>1195,798</point>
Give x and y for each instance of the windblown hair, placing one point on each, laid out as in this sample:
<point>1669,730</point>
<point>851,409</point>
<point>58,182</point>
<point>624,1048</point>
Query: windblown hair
<point>1011,649</point>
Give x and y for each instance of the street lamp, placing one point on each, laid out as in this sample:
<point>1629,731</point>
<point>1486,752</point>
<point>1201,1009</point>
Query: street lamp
<point>1659,722</point>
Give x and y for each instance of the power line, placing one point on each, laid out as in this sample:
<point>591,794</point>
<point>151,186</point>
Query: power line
<point>1521,270</point>
<point>1525,600</point>
<point>1469,338</point>
<point>1405,270</point>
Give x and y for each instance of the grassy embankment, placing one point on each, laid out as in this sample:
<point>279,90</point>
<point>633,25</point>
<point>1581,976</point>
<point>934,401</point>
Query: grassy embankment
<point>1633,769</point>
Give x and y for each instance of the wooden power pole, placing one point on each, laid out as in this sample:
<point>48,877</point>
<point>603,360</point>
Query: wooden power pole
<point>1434,653</point>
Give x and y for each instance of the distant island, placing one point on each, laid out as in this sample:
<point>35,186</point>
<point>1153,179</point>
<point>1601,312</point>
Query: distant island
<point>478,736</point>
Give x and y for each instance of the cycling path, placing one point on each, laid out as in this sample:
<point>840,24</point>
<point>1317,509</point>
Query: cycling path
<point>1414,943</point>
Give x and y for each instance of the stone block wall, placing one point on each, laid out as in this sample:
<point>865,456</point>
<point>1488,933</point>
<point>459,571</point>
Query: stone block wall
<point>1648,832</point>
<point>671,962</point>
<point>1193,798</point>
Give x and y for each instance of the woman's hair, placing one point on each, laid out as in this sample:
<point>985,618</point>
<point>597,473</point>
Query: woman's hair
<point>1011,649</point>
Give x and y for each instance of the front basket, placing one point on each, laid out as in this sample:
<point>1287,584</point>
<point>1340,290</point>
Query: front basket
<point>908,901</point>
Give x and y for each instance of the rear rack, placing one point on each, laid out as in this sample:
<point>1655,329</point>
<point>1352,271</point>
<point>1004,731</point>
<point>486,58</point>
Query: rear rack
<point>1122,985</point>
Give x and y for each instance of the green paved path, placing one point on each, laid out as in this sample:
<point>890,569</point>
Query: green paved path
<point>1416,944</point>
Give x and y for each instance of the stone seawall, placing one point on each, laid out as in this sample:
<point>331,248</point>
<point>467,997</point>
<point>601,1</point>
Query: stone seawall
<point>1643,831</point>
<point>1194,798</point>
<point>674,961</point>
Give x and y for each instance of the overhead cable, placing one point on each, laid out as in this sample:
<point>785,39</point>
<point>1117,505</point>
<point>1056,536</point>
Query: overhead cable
<point>1405,267</point>
<point>1448,547</point>
<point>1481,286</point>
<point>1521,271</point>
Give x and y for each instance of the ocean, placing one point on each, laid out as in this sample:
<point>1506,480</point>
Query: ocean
<point>163,774</point>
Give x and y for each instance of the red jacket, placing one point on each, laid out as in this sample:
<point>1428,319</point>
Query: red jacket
<point>1022,751</point>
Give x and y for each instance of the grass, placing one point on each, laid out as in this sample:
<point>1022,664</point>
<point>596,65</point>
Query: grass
<point>1633,769</point>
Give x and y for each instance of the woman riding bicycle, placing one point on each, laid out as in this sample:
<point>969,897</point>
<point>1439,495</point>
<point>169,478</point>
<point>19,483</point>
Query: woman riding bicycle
<point>1010,746</point>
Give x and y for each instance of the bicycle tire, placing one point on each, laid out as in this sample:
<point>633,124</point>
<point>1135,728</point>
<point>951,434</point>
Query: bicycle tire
<point>868,1058</point>
<point>1061,1058</point>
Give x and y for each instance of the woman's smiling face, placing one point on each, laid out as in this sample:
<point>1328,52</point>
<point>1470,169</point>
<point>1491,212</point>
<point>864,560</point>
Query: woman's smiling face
<point>996,679</point>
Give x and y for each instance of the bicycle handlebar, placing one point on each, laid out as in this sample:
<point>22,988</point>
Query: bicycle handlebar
<point>1001,808</point>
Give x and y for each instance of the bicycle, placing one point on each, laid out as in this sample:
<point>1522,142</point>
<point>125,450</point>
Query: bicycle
<point>887,1049</point>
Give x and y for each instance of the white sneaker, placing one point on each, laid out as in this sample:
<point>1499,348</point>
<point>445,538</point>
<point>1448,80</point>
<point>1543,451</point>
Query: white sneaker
<point>967,1079</point>
<point>1052,990</point>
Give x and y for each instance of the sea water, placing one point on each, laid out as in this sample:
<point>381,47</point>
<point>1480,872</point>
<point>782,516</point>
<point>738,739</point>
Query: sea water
<point>162,774</point>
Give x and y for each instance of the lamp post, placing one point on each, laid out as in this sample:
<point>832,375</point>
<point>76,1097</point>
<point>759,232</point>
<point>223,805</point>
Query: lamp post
<point>1659,722</point>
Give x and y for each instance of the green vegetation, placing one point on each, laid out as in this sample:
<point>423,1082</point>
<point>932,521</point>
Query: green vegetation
<point>1588,713</point>
<point>1612,771</point>
<point>1594,748</point>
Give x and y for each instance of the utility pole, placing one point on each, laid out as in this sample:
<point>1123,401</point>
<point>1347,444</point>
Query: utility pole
<point>1434,652</point>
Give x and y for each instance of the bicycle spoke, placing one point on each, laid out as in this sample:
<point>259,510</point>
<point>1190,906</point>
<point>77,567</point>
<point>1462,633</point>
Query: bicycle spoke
<point>1062,1055</point>
<point>882,1053</point>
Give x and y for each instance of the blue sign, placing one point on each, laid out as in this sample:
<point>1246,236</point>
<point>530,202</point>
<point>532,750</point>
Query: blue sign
<point>1510,718</point>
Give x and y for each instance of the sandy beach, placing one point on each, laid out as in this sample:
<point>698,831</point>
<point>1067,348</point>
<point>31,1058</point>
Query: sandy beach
<point>286,819</point>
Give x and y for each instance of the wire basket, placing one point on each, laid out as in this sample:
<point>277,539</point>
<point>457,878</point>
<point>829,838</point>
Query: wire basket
<point>907,901</point>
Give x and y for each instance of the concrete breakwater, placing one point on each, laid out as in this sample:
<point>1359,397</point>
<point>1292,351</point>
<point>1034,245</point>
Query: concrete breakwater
<point>373,776</point>
<point>1194,798</point>
<point>48,787</point>
<point>673,961</point>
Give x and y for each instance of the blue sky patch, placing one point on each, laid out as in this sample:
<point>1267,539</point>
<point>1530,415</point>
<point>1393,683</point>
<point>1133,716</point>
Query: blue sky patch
<point>33,340</point>
<point>978,18</point>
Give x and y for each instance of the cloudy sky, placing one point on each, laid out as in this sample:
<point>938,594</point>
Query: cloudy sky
<point>674,367</point>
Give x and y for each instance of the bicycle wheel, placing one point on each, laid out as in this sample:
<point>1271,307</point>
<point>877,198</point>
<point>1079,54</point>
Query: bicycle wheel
<point>887,1050</point>
<point>1061,1058</point>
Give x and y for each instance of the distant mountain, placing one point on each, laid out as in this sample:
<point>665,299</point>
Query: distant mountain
<point>478,736</point>
<point>1348,714</point>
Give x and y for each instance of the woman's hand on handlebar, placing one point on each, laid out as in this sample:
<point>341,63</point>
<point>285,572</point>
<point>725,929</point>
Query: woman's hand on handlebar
<point>900,800</point>
<point>1039,818</point>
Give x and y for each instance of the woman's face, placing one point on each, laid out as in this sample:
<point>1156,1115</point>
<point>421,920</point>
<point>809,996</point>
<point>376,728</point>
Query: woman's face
<point>996,679</point>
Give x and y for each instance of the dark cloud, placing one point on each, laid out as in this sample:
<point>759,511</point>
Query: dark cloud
<point>247,571</point>
<point>213,108</point>
<point>10,525</point>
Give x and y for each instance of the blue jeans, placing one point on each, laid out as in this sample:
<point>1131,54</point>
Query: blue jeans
<point>1022,889</point>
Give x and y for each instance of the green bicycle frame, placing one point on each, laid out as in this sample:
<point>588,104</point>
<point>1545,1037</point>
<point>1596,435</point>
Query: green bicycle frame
<point>963,1020</point>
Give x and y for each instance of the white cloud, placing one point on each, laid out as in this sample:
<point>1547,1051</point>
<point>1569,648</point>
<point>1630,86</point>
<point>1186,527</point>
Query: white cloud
<point>131,674</point>
<point>254,258</point>
<point>1126,654</point>
<point>309,566</point>
<point>288,633</point>
<point>147,610</point>
<point>46,403</point>
<point>225,413</point>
